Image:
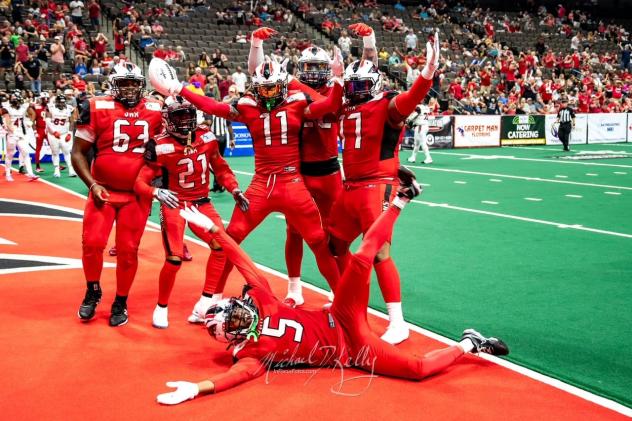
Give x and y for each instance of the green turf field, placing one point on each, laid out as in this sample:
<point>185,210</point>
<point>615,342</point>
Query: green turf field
<point>513,242</point>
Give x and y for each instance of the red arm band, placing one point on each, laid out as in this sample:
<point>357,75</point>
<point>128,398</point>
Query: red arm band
<point>209,105</point>
<point>241,260</point>
<point>329,105</point>
<point>406,102</point>
<point>142,185</point>
<point>242,371</point>
<point>223,173</point>
<point>297,85</point>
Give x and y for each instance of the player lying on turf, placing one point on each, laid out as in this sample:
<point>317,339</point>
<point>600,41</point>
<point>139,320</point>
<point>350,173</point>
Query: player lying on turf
<point>183,156</point>
<point>264,331</point>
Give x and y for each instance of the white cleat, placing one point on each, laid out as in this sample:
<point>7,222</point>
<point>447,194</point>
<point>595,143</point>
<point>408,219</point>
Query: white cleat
<point>72,174</point>
<point>396,333</point>
<point>32,177</point>
<point>294,300</point>
<point>412,159</point>
<point>199,309</point>
<point>57,173</point>
<point>428,161</point>
<point>9,177</point>
<point>160,319</point>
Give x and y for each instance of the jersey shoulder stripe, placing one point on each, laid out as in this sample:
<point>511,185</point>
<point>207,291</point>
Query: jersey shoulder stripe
<point>165,149</point>
<point>247,101</point>
<point>208,137</point>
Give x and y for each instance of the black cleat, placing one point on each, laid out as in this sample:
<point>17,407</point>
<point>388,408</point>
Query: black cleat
<point>118,316</point>
<point>408,185</point>
<point>492,346</point>
<point>22,170</point>
<point>89,305</point>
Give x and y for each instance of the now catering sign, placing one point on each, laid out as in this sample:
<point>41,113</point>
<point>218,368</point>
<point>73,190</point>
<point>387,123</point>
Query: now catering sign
<point>523,130</point>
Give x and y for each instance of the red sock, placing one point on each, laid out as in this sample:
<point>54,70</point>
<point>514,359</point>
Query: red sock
<point>327,264</point>
<point>293,253</point>
<point>126,266</point>
<point>166,280</point>
<point>438,360</point>
<point>92,259</point>
<point>215,268</point>
<point>388,279</point>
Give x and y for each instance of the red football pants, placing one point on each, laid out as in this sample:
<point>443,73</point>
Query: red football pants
<point>286,194</point>
<point>366,349</point>
<point>324,189</point>
<point>39,142</point>
<point>130,214</point>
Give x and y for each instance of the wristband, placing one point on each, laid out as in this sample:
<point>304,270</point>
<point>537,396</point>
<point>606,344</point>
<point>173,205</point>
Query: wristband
<point>92,185</point>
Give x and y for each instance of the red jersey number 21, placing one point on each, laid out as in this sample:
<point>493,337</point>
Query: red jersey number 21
<point>356,119</point>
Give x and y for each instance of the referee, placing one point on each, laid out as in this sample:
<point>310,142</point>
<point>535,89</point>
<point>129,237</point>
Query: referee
<point>223,130</point>
<point>566,119</point>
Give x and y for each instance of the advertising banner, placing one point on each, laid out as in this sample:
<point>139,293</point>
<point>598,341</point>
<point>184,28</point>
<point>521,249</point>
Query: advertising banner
<point>476,130</point>
<point>243,141</point>
<point>522,130</point>
<point>578,135</point>
<point>607,128</point>
<point>440,133</point>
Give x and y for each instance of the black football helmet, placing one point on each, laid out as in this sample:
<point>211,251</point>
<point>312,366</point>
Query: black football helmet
<point>179,117</point>
<point>60,102</point>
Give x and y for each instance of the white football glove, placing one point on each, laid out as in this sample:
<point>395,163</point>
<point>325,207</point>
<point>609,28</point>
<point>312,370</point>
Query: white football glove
<point>167,198</point>
<point>193,216</point>
<point>184,391</point>
<point>241,200</point>
<point>337,64</point>
<point>163,77</point>
<point>433,52</point>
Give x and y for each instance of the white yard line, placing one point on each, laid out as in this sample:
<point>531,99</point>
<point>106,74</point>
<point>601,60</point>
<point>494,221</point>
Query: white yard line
<point>489,202</point>
<point>574,196</point>
<point>550,161</point>
<point>519,177</point>
<point>620,172</point>
<point>561,176</point>
<point>613,193</point>
<point>495,180</point>
<point>533,199</point>
<point>575,391</point>
<point>591,174</point>
<point>460,182</point>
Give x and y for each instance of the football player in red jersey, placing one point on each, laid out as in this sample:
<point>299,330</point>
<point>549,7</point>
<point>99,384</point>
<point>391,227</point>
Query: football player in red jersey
<point>183,156</point>
<point>40,108</point>
<point>274,118</point>
<point>371,123</point>
<point>268,334</point>
<point>319,146</point>
<point>118,126</point>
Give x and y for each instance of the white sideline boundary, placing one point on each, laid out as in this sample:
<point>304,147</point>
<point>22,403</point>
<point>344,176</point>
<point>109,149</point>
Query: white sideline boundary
<point>550,161</point>
<point>558,384</point>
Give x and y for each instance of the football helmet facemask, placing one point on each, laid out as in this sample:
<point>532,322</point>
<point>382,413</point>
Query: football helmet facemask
<point>269,84</point>
<point>233,320</point>
<point>127,84</point>
<point>16,99</point>
<point>362,81</point>
<point>179,117</point>
<point>313,67</point>
<point>60,102</point>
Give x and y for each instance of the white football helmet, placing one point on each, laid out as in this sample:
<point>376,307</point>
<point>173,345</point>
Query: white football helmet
<point>424,110</point>
<point>362,81</point>
<point>233,320</point>
<point>127,84</point>
<point>269,84</point>
<point>313,67</point>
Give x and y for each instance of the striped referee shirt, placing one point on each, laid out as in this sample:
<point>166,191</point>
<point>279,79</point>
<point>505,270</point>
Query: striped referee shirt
<point>219,126</point>
<point>566,115</point>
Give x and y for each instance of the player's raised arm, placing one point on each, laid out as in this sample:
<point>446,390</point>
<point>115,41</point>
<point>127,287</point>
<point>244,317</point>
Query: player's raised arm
<point>165,80</point>
<point>242,371</point>
<point>234,253</point>
<point>369,51</point>
<point>403,104</point>
<point>256,56</point>
<point>327,105</point>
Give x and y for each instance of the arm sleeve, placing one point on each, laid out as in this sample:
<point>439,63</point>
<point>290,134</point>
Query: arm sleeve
<point>328,105</point>
<point>209,105</point>
<point>297,85</point>
<point>256,56</point>
<point>142,185</point>
<point>405,103</point>
<point>222,171</point>
<point>241,260</point>
<point>85,123</point>
<point>242,371</point>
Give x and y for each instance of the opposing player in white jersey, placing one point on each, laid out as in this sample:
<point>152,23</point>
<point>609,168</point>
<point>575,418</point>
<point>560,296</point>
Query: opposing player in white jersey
<point>419,121</point>
<point>16,115</point>
<point>58,132</point>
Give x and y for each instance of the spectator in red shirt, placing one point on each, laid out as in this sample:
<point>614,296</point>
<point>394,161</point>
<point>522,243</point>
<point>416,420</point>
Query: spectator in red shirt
<point>119,42</point>
<point>160,52</point>
<point>22,51</point>
<point>100,45</point>
<point>198,77</point>
<point>94,12</point>
<point>455,89</point>
<point>78,83</point>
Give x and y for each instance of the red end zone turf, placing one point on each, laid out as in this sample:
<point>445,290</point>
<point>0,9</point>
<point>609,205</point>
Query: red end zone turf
<point>55,367</point>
